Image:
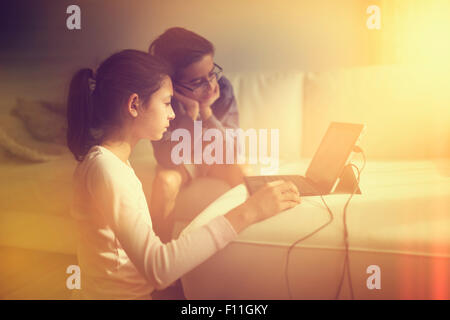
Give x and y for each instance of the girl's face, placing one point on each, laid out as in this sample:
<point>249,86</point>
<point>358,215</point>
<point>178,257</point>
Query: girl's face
<point>155,118</point>
<point>199,72</point>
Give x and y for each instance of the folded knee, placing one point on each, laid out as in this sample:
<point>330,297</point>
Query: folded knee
<point>168,181</point>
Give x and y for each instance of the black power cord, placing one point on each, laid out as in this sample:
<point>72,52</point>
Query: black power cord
<point>344,217</point>
<point>301,239</point>
<point>346,261</point>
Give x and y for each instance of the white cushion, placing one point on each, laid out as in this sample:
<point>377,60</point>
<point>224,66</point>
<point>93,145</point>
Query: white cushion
<point>272,101</point>
<point>406,109</point>
<point>400,223</point>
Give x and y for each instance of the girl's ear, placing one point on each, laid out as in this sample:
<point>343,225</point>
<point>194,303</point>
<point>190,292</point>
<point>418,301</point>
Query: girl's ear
<point>133,103</point>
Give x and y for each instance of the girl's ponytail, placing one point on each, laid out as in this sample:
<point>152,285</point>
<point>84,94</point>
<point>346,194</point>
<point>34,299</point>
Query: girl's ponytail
<point>80,112</point>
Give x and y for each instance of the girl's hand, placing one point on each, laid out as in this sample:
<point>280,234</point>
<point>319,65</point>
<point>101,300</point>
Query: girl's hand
<point>271,199</point>
<point>192,106</point>
<point>274,197</point>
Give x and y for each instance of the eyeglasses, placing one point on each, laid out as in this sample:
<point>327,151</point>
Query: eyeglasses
<point>202,84</point>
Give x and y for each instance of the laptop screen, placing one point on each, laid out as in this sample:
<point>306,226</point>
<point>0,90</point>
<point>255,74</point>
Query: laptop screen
<point>332,154</point>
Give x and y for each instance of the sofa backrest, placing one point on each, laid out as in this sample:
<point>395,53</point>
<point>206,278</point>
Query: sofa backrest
<point>406,109</point>
<point>265,101</point>
<point>272,101</point>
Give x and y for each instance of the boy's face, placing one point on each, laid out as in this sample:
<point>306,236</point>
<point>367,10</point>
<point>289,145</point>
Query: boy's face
<point>200,72</point>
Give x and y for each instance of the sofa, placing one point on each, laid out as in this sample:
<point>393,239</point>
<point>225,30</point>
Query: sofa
<point>400,222</point>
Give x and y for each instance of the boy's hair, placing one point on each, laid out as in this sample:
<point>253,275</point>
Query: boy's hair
<point>180,48</point>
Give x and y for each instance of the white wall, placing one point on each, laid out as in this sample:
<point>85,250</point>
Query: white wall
<point>38,52</point>
<point>248,34</point>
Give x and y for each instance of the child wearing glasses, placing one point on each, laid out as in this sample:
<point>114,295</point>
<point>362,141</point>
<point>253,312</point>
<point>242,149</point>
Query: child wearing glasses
<point>200,93</point>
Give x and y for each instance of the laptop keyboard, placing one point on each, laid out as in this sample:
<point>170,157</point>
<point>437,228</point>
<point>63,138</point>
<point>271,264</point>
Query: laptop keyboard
<point>304,187</point>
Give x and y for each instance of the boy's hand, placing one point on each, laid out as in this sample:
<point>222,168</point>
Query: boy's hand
<point>206,104</point>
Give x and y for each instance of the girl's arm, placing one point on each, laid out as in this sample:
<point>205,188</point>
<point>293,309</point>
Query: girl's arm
<point>122,204</point>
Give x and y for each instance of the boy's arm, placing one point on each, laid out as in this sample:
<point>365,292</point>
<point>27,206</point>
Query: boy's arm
<point>224,110</point>
<point>225,116</point>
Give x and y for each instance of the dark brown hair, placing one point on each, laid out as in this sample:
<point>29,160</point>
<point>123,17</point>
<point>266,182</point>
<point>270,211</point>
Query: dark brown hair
<point>93,112</point>
<point>180,47</point>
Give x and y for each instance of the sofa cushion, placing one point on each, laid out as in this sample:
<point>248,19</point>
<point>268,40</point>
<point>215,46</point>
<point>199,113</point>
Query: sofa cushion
<point>400,223</point>
<point>17,144</point>
<point>45,121</point>
<point>406,109</point>
<point>45,188</point>
<point>272,101</point>
<point>36,197</point>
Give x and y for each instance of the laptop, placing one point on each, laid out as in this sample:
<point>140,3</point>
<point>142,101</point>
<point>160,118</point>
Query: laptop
<point>326,166</point>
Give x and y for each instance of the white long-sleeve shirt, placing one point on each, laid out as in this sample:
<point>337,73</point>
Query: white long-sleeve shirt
<point>119,255</point>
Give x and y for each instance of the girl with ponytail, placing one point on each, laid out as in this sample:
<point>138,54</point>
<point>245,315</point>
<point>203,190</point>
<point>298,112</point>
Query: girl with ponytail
<point>95,102</point>
<point>120,257</point>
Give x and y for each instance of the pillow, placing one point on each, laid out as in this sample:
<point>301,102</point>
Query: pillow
<point>271,100</point>
<point>10,147</point>
<point>44,120</point>
<point>405,109</point>
<point>18,144</point>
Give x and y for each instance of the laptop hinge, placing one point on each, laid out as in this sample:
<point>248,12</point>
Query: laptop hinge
<point>347,182</point>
